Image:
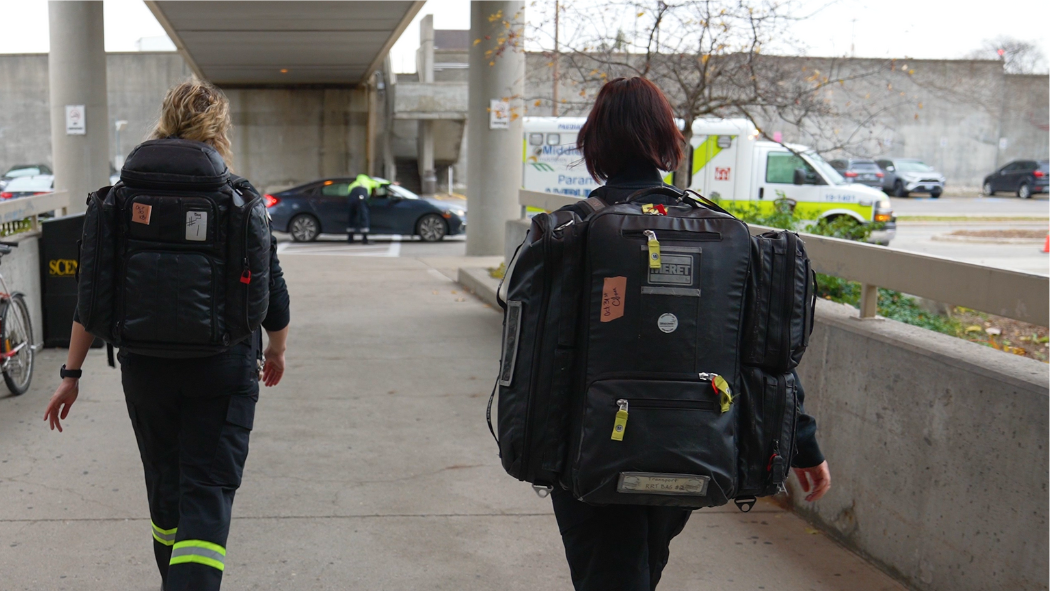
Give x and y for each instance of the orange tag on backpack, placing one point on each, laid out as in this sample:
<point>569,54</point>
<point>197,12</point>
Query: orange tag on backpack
<point>140,213</point>
<point>614,289</point>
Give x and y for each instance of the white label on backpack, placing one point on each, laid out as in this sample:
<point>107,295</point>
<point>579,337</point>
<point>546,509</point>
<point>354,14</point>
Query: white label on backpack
<point>197,226</point>
<point>650,483</point>
<point>668,323</point>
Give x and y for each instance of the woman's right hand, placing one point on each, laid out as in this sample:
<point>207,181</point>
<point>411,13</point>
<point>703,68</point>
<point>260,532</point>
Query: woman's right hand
<point>273,366</point>
<point>61,401</point>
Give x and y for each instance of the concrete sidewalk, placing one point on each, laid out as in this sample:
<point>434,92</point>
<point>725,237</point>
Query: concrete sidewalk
<point>371,467</point>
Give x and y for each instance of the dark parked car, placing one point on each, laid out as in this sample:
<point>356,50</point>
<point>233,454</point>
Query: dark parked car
<point>20,170</point>
<point>321,206</point>
<point>859,170</point>
<point>904,176</point>
<point>26,186</point>
<point>1024,177</point>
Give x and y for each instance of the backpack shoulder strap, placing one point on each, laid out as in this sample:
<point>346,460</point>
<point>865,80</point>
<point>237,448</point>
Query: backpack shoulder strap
<point>592,204</point>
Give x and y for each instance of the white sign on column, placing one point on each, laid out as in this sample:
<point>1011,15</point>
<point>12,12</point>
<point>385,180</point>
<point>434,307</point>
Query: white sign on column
<point>75,120</point>
<point>499,114</point>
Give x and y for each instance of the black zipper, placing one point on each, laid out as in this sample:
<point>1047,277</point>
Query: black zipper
<point>778,413</point>
<point>666,404</point>
<point>526,439</point>
<point>246,270</point>
<point>653,376</point>
<point>140,182</point>
<point>98,250</point>
<point>789,302</point>
<point>675,235</point>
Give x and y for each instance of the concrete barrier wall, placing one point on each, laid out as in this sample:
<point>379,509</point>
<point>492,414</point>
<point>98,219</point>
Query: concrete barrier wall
<point>938,453</point>
<point>21,270</point>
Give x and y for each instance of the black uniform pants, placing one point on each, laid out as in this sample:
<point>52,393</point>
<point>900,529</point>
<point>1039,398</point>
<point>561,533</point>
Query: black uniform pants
<point>616,547</point>
<point>192,418</point>
<point>360,219</point>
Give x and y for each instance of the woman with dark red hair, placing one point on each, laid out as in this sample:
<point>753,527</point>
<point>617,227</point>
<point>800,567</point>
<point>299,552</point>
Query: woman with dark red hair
<point>629,137</point>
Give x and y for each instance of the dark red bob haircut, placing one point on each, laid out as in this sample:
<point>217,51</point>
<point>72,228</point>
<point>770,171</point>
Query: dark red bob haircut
<point>631,122</point>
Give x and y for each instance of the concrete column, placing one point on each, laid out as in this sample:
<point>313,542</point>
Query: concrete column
<point>427,174</point>
<point>494,155</point>
<point>425,67</point>
<point>77,77</point>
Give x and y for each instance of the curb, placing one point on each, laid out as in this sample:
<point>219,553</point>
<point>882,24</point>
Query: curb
<point>985,240</point>
<point>478,282</point>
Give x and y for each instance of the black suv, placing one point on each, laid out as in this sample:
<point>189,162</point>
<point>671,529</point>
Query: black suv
<point>859,170</point>
<point>1025,177</point>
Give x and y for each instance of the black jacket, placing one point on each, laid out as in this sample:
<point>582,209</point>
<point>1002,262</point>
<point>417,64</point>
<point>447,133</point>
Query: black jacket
<point>617,189</point>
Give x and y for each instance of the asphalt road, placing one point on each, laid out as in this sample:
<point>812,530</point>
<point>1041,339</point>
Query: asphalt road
<point>1000,206</point>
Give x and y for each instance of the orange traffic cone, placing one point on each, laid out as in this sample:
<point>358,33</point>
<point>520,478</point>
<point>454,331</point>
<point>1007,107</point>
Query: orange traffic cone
<point>1046,245</point>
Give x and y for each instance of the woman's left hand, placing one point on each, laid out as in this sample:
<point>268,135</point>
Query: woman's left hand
<point>816,481</point>
<point>61,401</point>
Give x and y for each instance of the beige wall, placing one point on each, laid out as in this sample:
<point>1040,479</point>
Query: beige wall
<point>281,136</point>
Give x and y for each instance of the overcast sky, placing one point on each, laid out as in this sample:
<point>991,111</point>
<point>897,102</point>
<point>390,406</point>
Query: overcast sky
<point>873,28</point>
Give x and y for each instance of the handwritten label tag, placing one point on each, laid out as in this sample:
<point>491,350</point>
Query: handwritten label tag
<point>613,292</point>
<point>197,226</point>
<point>140,213</point>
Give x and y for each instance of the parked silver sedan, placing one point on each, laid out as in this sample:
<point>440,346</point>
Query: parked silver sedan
<point>904,176</point>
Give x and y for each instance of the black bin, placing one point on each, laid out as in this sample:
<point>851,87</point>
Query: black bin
<point>59,255</point>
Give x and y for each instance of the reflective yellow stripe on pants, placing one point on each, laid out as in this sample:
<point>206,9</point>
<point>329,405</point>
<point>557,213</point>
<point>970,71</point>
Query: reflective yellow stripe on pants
<point>200,552</point>
<point>164,536</point>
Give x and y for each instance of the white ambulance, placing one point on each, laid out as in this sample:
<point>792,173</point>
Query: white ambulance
<point>551,163</point>
<point>729,162</point>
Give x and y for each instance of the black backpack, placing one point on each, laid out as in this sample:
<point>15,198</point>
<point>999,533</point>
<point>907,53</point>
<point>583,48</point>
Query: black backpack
<point>175,258</point>
<point>623,375</point>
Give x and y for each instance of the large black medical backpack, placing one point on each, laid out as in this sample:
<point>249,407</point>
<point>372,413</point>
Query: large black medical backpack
<point>647,353</point>
<point>175,258</point>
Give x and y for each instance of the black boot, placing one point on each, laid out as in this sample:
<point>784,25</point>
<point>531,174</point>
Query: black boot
<point>364,238</point>
<point>350,238</point>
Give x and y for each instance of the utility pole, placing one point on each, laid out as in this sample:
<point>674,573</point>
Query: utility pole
<point>557,60</point>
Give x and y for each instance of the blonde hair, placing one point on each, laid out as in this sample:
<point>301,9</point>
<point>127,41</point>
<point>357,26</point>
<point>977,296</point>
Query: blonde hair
<point>196,110</point>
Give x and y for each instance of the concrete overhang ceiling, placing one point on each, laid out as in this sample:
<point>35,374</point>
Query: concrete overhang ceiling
<point>279,43</point>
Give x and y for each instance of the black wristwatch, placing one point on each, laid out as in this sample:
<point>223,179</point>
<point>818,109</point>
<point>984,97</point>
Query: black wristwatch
<point>70,373</point>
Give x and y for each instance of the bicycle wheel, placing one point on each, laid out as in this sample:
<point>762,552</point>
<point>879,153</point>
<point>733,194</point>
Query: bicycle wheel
<point>16,345</point>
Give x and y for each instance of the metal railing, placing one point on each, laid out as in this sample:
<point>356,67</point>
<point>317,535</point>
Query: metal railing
<point>1013,294</point>
<point>22,214</point>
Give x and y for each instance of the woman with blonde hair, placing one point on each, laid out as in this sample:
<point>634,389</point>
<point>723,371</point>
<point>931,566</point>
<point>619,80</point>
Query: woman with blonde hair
<point>187,322</point>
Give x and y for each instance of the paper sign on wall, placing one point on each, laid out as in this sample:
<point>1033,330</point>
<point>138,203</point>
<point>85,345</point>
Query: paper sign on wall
<point>75,120</point>
<point>499,114</point>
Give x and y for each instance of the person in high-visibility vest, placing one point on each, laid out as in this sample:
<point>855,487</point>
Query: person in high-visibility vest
<point>359,219</point>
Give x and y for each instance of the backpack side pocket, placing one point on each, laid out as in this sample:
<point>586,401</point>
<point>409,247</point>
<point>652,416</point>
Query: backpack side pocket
<point>97,267</point>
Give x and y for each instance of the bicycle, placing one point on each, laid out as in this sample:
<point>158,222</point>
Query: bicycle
<point>16,335</point>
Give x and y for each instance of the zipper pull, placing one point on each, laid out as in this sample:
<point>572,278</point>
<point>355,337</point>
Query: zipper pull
<point>721,387</point>
<point>246,273</point>
<point>654,249</point>
<point>725,396</point>
<point>620,424</point>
